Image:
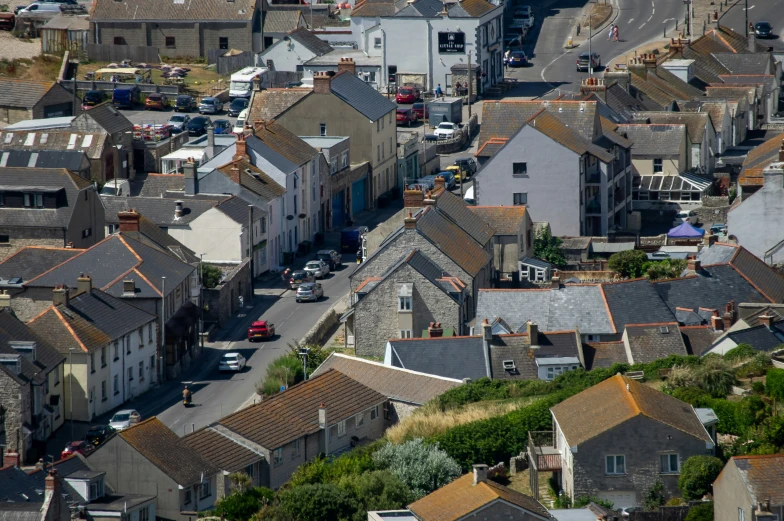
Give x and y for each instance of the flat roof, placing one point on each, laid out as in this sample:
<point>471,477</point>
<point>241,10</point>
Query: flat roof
<point>323,141</point>
<point>185,153</point>
<point>332,58</point>
<point>40,124</point>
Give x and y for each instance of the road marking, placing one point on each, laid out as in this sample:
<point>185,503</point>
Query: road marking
<point>750,8</point>
<point>630,20</point>
<point>643,25</point>
<point>548,65</point>
<point>654,11</point>
<point>649,19</point>
<point>667,20</point>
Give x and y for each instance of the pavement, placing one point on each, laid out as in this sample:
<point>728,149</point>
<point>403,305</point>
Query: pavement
<point>218,394</point>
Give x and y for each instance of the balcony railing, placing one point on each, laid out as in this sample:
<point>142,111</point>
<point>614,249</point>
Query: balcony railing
<point>593,206</point>
<point>593,177</point>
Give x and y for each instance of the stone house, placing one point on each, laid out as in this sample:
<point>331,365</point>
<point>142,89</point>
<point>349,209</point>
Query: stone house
<point>749,488</point>
<point>293,48</point>
<point>702,140</point>
<point>474,495</point>
<point>47,207</point>
<point>28,499</point>
<point>588,187</point>
<point>151,460</point>
<point>513,237</point>
<point>22,100</point>
<point>617,439</point>
<point>110,344</point>
<point>721,119</point>
<point>326,414</point>
<point>179,29</point>
<point>32,388</point>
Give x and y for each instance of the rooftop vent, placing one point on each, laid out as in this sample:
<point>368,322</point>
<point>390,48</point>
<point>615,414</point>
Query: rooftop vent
<point>509,365</point>
<point>664,330</point>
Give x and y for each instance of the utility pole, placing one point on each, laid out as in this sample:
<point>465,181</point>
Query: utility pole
<point>590,53</point>
<point>747,21</point>
<point>70,389</point>
<point>469,75</point>
<point>163,331</point>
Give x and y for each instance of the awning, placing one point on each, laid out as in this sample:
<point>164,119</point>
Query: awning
<point>685,231</point>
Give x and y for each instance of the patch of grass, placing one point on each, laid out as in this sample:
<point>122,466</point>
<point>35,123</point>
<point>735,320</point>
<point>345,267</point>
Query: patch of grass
<point>39,68</point>
<point>199,78</point>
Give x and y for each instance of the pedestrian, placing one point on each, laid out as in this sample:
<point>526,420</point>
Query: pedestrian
<point>615,34</point>
<point>242,302</point>
<point>458,88</point>
<point>611,33</point>
<point>507,54</point>
<point>439,92</point>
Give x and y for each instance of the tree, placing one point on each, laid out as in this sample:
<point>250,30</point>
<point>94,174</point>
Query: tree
<point>629,263</point>
<point>715,375</point>
<point>375,490</point>
<point>422,467</point>
<point>701,512</point>
<point>655,496</point>
<point>283,371</point>
<point>210,275</point>
<point>697,475</point>
<point>241,506</point>
<point>664,269</point>
<point>548,248</point>
<point>319,501</point>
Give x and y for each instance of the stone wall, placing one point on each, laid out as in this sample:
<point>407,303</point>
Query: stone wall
<point>18,238</point>
<point>327,321</point>
<point>29,303</point>
<point>17,412</point>
<point>222,301</point>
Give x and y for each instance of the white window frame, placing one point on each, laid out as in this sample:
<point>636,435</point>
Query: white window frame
<point>376,42</point>
<point>615,459</point>
<point>341,428</point>
<point>406,333</point>
<point>359,420</point>
<point>741,514</point>
<point>405,303</point>
<point>665,463</point>
<point>373,413</point>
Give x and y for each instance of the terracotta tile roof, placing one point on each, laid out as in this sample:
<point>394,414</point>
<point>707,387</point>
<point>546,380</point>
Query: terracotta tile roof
<point>721,40</point>
<point>751,177</point>
<point>764,279</point>
<point>651,342</point>
<point>223,452</point>
<point>393,382</point>
<point>293,414</point>
<point>763,476</point>
<point>153,10</point>
<point>285,143</point>
<point>617,400</point>
<point>505,220</point>
<point>604,354</point>
<point>764,154</point>
<point>167,451</point>
<point>461,498</point>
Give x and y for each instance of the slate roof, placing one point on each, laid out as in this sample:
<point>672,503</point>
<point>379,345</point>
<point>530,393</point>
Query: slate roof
<point>760,337</point>
<point>237,210</point>
<point>762,476</point>
<point>89,321</point>
<point>106,116</point>
<point>651,342</point>
<point>453,241</point>
<point>393,382</point>
<point>271,103</point>
<point>254,179</point>
<point>73,160</point>
<point>470,9</point>
<point>47,358</point>
<point>706,68</point>
<point>604,354</point>
<point>460,498</point>
<point>168,452</point>
<point>115,258</point>
<point>610,131</point>
<point>617,400</point>
<point>65,140</point>
<point>152,235</point>
<point>152,10</point>
<point>361,96</point>
<point>53,178</point>
<point>448,357</point>
<point>655,98</point>
<point>766,280</point>
<point>458,211</point>
<point>157,184</point>
<point>517,347</point>
<point>715,109</point>
<point>293,413</point>
<point>220,450</point>
<point>621,101</point>
<point>281,22</point>
<point>699,339</point>
<point>422,8</point>
<point>285,143</point>
<point>745,62</point>
<point>635,302</point>
<point>654,140</point>
<point>373,8</point>
<point>31,261</point>
<point>723,39</point>
<point>548,124</point>
<point>730,91</point>
<point>157,210</point>
<point>310,41</point>
<point>573,305</point>
<point>695,121</point>
<point>505,220</point>
<point>22,93</point>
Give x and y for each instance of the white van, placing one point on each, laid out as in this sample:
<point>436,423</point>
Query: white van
<point>40,8</point>
<point>239,125</point>
<point>119,187</point>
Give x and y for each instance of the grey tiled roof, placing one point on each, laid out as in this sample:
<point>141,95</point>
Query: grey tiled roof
<point>422,8</point>
<point>604,354</point>
<point>156,184</point>
<point>695,121</point>
<point>237,210</point>
<point>73,160</point>
<point>760,337</point>
<point>766,280</point>
<point>310,41</point>
<point>360,95</point>
<point>517,347</point>
<point>158,210</point>
<point>654,140</point>
<point>636,302</point>
<point>470,9</point>
<point>621,101</point>
<point>108,118</point>
<point>22,93</point>
<point>654,341</point>
<point>563,309</point>
<point>141,10</point>
<point>745,63</point>
<point>450,357</point>
<point>718,253</point>
<point>698,339</point>
<point>453,242</point>
<point>268,104</point>
<point>31,261</point>
<point>47,358</point>
<point>457,210</point>
<point>281,22</point>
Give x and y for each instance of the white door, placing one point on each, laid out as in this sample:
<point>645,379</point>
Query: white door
<point>620,499</point>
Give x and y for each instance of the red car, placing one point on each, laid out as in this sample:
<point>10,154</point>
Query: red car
<point>419,110</point>
<point>406,117</point>
<point>260,330</point>
<point>407,95</point>
<point>81,446</point>
<point>156,101</point>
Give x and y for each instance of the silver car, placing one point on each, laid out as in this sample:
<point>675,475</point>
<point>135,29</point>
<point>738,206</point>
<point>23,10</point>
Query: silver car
<point>232,362</point>
<point>310,292</point>
<point>124,419</point>
<point>318,268</point>
<point>178,121</point>
<point>210,106</point>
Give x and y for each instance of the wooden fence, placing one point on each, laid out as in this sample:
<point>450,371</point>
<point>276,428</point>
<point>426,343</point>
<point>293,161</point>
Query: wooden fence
<point>116,53</point>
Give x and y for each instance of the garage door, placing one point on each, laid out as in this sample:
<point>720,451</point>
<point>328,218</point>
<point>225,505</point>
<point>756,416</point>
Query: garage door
<point>59,110</point>
<point>620,499</point>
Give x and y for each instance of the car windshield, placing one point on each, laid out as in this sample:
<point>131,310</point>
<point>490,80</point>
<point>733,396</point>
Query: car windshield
<point>92,96</point>
<point>121,417</point>
<point>306,287</point>
<point>177,118</point>
<point>230,357</point>
<point>183,99</point>
<point>239,103</point>
<point>314,265</point>
<point>406,91</point>
<point>446,126</point>
<point>207,101</point>
<point>763,25</point>
<point>299,275</point>
<point>154,97</point>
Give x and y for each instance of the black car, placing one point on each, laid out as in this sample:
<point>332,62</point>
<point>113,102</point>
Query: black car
<point>763,30</point>
<point>237,106</point>
<point>92,98</point>
<point>98,434</point>
<point>185,103</point>
<point>198,126</point>
<point>331,257</point>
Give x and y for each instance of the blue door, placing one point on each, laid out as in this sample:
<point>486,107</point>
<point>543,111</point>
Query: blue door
<point>358,196</point>
<point>338,209</point>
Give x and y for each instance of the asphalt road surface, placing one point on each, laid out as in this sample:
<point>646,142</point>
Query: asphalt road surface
<point>759,10</point>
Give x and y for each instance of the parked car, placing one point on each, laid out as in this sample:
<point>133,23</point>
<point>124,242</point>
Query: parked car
<point>239,124</point>
<point>156,100</point>
<point>459,173</point>
<point>407,94</point>
<point>522,19</point>
<point>232,362</point>
<point>300,277</point>
<point>318,268</point>
<point>185,103</point>
<point>8,20</point>
<point>198,125</point>
<point>445,130</point>
<point>583,62</point>
<point>406,117</point>
<point>222,126</point>
<point>331,257</point>
<point>449,179</point>
<point>39,7</point>
<point>466,163</point>
<point>237,106</point>
<point>72,447</point>
<point>685,217</point>
<point>92,98</point>
<point>98,434</point>
<point>210,106</point>
<point>310,291</point>
<point>178,122</point>
<point>428,182</point>
<point>124,419</point>
<point>421,110</point>
<point>261,329</point>
<point>518,59</point>
<point>126,97</point>
<point>718,229</point>
<point>513,41</point>
<point>763,30</point>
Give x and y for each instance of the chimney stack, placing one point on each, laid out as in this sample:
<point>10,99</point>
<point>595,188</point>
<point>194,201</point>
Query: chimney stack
<point>480,474</point>
<point>321,83</point>
<point>129,221</point>
<point>693,265</point>
<point>5,299</point>
<point>597,85</point>
<point>242,151</point>
<point>487,330</point>
<point>649,60</point>
<point>766,320</point>
<point>60,295</point>
<point>178,212</point>
<point>234,173</point>
<point>752,40</point>
<point>413,198</point>
<point>191,178</point>
<point>637,67</point>
<point>434,330</point>
<point>708,239</point>
<point>717,323</point>
<point>428,200</point>
<point>555,282</point>
<point>10,459</point>
<point>129,288</point>
<point>347,64</point>
<point>410,222</point>
<point>53,492</point>
<point>84,284</point>
<point>729,315</point>
<point>621,76</point>
<point>533,333</point>
<point>211,138</point>
<point>439,184</point>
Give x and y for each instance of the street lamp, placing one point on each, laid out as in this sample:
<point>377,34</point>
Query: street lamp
<point>304,352</point>
<point>70,389</point>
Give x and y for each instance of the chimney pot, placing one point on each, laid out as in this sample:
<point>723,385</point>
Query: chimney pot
<point>178,211</point>
<point>717,323</point>
<point>693,265</point>
<point>413,198</point>
<point>480,474</point>
<point>439,183</point>
<point>60,295</point>
<point>347,64</point>
<point>5,299</point>
<point>410,222</point>
<point>241,150</point>
<point>53,489</point>
<point>321,83</point>
<point>435,330</point>
<point>84,284</point>
<point>555,282</point>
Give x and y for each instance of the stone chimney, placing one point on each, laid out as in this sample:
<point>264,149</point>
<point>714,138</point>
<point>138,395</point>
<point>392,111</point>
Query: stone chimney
<point>439,184</point>
<point>428,200</point>
<point>434,330</point>
<point>597,85</point>
<point>191,177</point>
<point>533,333</point>
<point>321,83</point>
<point>84,284</point>
<point>129,288</point>
<point>773,177</point>
<point>409,223</point>
<point>10,459</point>
<point>766,320</point>
<point>649,60</point>
<point>708,239</point>
<point>5,299</point>
<point>242,151</point>
<point>413,198</point>
<point>60,295</point>
<point>480,474</point>
<point>347,64</point>
<point>729,315</point>
<point>621,76</point>
<point>487,331</point>
<point>53,490</point>
<point>555,282</point>
<point>637,67</point>
<point>693,265</point>
<point>717,323</point>
<point>178,211</point>
<point>129,220</point>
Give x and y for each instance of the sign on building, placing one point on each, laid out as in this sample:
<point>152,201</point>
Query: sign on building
<point>451,42</point>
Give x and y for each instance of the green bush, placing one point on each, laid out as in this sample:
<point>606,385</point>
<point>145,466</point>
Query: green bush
<point>701,512</point>
<point>375,490</point>
<point>757,366</point>
<point>654,498</point>
<point>583,501</point>
<point>421,467</point>
<point>758,388</point>
<point>629,263</point>
<point>240,506</point>
<point>697,475</point>
<point>210,275</point>
<point>774,382</point>
<point>740,352</point>
<point>286,370</point>
<point>315,502</point>
<point>323,470</point>
<point>548,248</point>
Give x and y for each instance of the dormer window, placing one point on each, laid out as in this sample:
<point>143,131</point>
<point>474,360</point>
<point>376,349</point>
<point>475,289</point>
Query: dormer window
<point>33,200</point>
